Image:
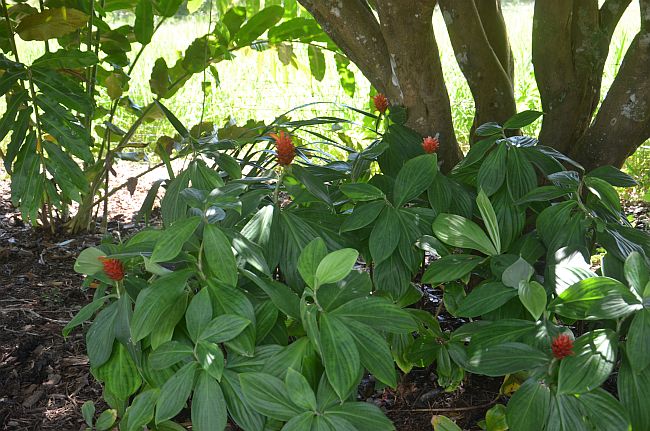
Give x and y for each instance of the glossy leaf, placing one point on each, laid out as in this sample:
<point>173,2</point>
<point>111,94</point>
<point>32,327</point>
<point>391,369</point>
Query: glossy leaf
<point>458,231</point>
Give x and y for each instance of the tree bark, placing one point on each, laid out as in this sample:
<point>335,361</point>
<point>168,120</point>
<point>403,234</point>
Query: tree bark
<point>402,63</point>
<point>623,121</point>
<point>486,61</point>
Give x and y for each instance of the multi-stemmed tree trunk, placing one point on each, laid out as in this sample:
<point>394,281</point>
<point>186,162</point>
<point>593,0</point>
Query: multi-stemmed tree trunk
<point>393,44</point>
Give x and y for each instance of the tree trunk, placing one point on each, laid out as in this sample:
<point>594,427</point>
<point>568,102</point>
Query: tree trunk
<point>402,63</point>
<point>484,57</point>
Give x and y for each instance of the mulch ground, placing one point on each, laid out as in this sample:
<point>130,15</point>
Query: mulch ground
<point>45,378</point>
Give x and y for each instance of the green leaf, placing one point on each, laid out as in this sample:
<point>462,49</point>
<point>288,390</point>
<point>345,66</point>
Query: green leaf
<point>506,358</point>
<point>520,177</point>
<point>168,8</point>
<point>198,314</point>
<point>590,365</point>
<point>533,296</point>
<point>634,392</point>
<point>543,194</point>
<point>335,266</point>
<point>230,300</point>
<point>316,62</point>
<point>175,392</point>
<point>168,354</point>
<point>340,355</point>
<point>64,90</point>
<point>485,298</point>
<point>100,336</point>
<point>374,352</point>
<point>224,328</point>
<point>488,129</point>
<point>595,298</point>
<point>346,76</point>
<point>310,258</point>
<point>638,341</point>
<point>492,172</point>
<point>378,313</point>
<point>172,240</point>
<point>89,261</point>
<point>604,411</point>
<point>7,121</point>
<point>362,216</point>
<point>258,24</point>
<point>458,231</point>
<point>414,178</point>
<point>282,296</point>
<point>180,128</point>
<point>443,423</point>
<point>219,256</point>
<point>606,194</point>
<point>362,192</point>
<point>385,235</point>
<point>303,421</point>
<point>299,390</point>
<point>210,356</point>
<point>529,406</point>
<point>364,416</point>
<point>240,410</point>
<point>209,412</point>
<point>84,314</point>
<point>88,412</point>
<point>140,412</point>
<point>51,23</point>
<point>613,176</point>
<point>636,272</point>
<point>519,271</point>
<point>120,375</point>
<point>106,420</point>
<point>143,27</point>
<point>489,219</point>
<point>155,302</point>
<point>66,59</point>
<point>268,395</point>
<point>522,119</point>
<point>450,268</point>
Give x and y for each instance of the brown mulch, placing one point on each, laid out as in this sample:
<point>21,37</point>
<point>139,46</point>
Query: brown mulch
<point>44,378</point>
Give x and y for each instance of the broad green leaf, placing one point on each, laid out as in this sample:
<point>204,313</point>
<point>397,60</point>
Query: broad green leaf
<point>171,242</point>
<point>450,268</point>
<point>224,328</point>
<point>64,90</point>
<point>362,192</point>
<point>106,420</point>
<point>240,410</point>
<point>362,216</point>
<point>230,300</point>
<point>529,406</point>
<point>180,128</point>
<point>268,395</point>
<point>488,129</point>
<point>522,119</point>
<point>485,298</point>
<point>595,298</point>
<point>637,272</point>
<point>414,178</point>
<point>120,375</point>
<point>638,341</point>
<point>533,296</point>
<point>88,412</point>
<point>303,421</point>
<point>374,352</point>
<point>340,355</point>
<point>170,353</point>
<point>364,416</point>
<point>299,390</point>
<point>155,302</point>
<point>316,62</point>
<point>219,256</point>
<point>634,392</point>
<point>100,336</point>
<point>210,356</point>
<point>592,361</point>
<point>335,266</point>
<point>543,194</point>
<point>198,314</point>
<point>495,418</point>
<point>282,296</point>
<point>175,392</point>
<point>140,412</point>
<point>310,258</point>
<point>519,271</point>
<point>258,24</point>
<point>613,176</point>
<point>604,411</point>
<point>378,313</point>
<point>143,27</point>
<point>489,219</point>
<point>209,411</point>
<point>505,359</point>
<point>492,172</point>
<point>51,23</point>
<point>385,235</point>
<point>89,261</point>
<point>443,423</point>
<point>66,59</point>
<point>565,414</point>
<point>84,314</point>
<point>458,231</point>
<point>168,8</point>
<point>520,177</point>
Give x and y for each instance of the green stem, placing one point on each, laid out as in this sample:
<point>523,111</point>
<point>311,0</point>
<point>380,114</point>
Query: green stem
<point>276,192</point>
<point>12,38</point>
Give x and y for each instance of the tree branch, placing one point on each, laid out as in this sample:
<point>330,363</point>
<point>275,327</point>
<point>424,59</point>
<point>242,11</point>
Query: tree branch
<point>417,71</point>
<point>610,14</point>
<point>488,79</point>
<point>353,27</point>
<point>495,28</point>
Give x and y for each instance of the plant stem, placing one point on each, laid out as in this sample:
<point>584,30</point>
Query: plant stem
<point>12,38</point>
<point>276,192</point>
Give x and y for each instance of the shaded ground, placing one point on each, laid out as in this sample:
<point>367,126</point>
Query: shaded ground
<point>44,378</point>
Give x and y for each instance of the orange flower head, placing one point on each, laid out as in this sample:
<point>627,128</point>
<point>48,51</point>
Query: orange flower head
<point>430,145</point>
<point>562,346</point>
<point>284,148</point>
<point>113,268</point>
<point>381,103</point>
